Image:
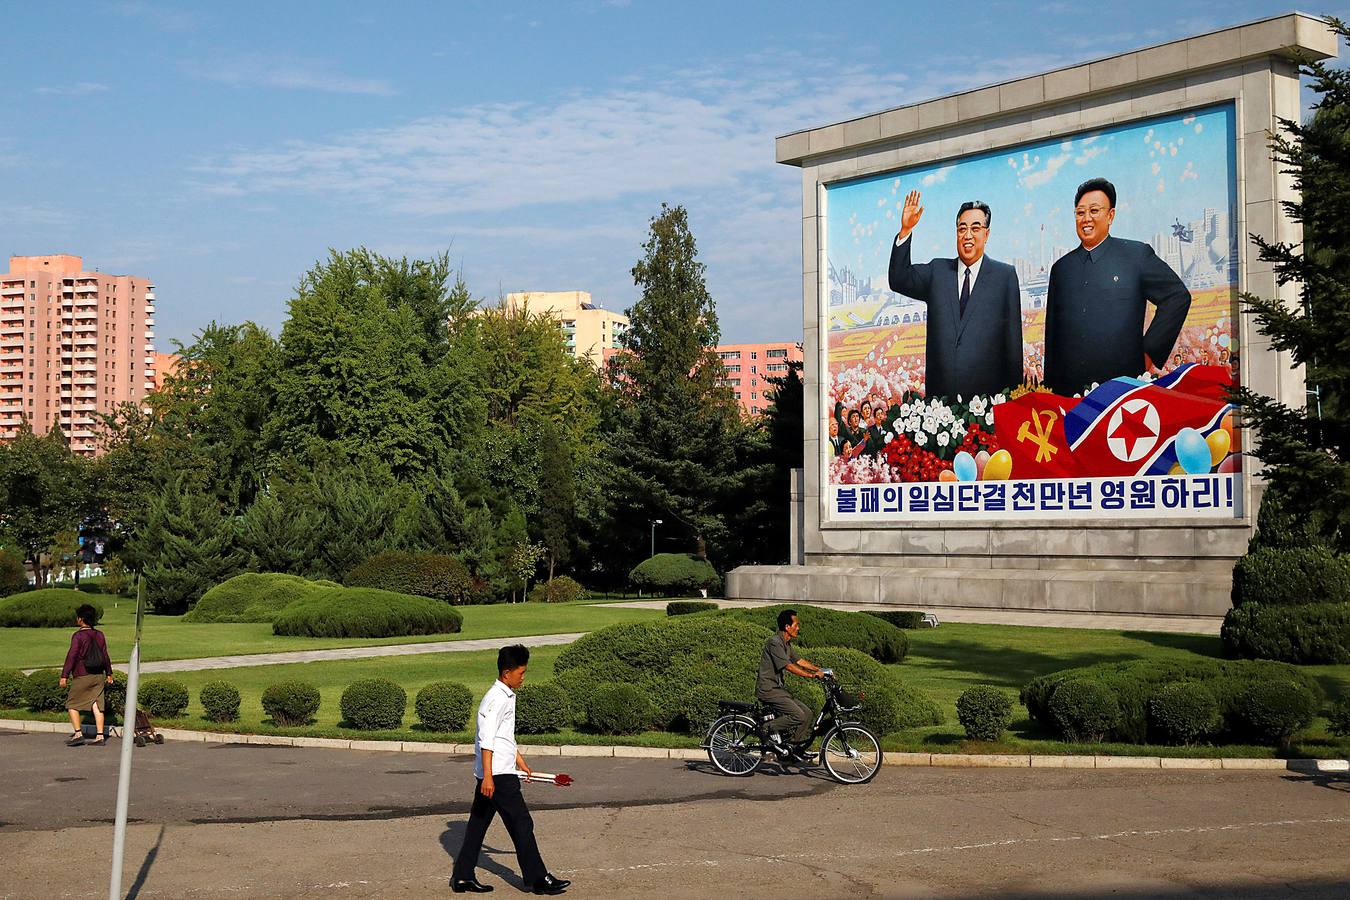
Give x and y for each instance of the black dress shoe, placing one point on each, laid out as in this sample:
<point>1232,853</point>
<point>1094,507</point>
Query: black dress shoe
<point>550,885</point>
<point>469,885</point>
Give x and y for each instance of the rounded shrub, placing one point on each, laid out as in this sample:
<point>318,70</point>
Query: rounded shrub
<point>699,708</point>
<point>835,628</point>
<point>444,706</point>
<point>42,692</point>
<point>688,607</point>
<point>889,702</point>
<point>1273,711</point>
<point>433,575</point>
<point>12,683</point>
<point>291,702</point>
<point>984,712</point>
<point>13,573</point>
<point>45,608</point>
<point>250,597</point>
<point>1183,713</point>
<point>373,703</point>
<point>619,709</point>
<point>560,590</point>
<point>1289,576</point>
<point>542,708</point>
<point>1085,711</point>
<point>220,701</point>
<point>900,618</point>
<point>1306,634</point>
<point>163,698</point>
<point>1338,717</point>
<point>115,697</point>
<point>365,612</point>
<point>674,573</point>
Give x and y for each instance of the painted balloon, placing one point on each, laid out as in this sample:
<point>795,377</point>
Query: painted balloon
<point>946,475</point>
<point>964,466</point>
<point>1232,464</point>
<point>1219,442</point>
<point>1176,469</point>
<point>981,460</point>
<point>999,467</point>
<point>1192,452</point>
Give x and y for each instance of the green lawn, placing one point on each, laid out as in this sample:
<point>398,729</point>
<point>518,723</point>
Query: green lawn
<point>943,662</point>
<point>169,637</point>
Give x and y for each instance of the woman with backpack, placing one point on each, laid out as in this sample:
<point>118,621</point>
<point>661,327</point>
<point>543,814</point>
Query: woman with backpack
<point>89,671</point>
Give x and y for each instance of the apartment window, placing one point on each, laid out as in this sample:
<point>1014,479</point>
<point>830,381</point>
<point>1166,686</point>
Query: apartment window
<point>754,395</point>
<point>776,353</point>
<point>754,355</point>
<point>754,368</point>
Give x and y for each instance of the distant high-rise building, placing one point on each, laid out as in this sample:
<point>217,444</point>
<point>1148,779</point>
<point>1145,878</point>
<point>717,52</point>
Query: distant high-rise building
<point>749,368</point>
<point>72,344</point>
<point>589,330</point>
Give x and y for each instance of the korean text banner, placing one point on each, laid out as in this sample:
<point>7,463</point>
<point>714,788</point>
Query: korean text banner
<point>1045,331</point>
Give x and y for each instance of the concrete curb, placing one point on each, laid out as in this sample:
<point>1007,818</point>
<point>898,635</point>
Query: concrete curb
<point>945,760</point>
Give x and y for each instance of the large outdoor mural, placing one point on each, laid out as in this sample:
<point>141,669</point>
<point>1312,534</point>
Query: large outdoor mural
<point>1045,331</point>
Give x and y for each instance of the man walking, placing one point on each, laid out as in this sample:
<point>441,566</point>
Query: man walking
<point>498,766</point>
<point>779,657</point>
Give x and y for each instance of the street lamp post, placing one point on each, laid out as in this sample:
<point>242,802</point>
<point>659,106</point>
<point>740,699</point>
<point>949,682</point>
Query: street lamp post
<point>655,522</point>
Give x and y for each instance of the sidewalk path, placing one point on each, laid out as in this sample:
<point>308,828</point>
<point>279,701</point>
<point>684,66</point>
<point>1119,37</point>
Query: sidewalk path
<point>302,656</point>
<point>971,615</point>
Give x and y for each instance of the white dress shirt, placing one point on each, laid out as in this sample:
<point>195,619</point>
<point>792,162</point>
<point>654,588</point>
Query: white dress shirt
<point>496,731</point>
<point>960,269</point>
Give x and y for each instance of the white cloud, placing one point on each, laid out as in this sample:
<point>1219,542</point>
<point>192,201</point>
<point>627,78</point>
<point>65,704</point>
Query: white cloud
<point>937,177</point>
<point>78,89</point>
<point>285,73</point>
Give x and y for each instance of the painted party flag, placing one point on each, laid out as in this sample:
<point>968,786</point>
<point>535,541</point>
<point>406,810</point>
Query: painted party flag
<point>1031,429</point>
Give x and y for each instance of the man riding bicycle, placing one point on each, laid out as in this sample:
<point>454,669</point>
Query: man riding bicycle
<point>790,713</point>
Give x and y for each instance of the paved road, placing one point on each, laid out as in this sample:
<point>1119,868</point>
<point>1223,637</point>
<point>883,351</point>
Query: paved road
<point>239,820</point>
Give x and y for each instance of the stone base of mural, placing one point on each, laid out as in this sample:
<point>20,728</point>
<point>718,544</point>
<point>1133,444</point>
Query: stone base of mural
<point>1162,593</point>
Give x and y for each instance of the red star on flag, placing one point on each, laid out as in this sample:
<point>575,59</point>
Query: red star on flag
<point>1132,428</point>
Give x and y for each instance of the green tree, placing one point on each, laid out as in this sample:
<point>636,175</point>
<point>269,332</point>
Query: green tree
<point>557,498</point>
<point>1306,449</point>
<point>769,448</point>
<point>671,425</point>
<point>281,537</point>
<point>46,492</point>
<point>189,546</point>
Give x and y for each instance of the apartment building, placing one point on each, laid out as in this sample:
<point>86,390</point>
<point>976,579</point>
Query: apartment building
<point>589,330</point>
<point>749,368</point>
<point>72,344</point>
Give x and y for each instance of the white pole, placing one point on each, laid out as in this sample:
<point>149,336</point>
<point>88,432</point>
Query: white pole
<point>124,771</point>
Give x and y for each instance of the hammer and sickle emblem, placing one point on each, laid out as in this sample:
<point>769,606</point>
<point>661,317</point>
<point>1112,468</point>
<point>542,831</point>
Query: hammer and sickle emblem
<point>1043,421</point>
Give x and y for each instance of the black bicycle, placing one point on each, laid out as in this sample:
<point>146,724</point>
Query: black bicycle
<point>738,741</point>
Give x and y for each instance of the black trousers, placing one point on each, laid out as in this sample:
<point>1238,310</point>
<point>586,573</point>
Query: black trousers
<point>507,800</point>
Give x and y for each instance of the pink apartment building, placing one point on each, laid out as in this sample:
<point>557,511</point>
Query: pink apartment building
<point>749,366</point>
<point>72,344</point>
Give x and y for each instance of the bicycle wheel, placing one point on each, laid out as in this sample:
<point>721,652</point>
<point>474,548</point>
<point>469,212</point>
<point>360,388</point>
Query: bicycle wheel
<point>733,746</point>
<point>851,754</point>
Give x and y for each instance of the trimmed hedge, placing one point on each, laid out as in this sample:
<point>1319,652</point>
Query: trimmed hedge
<point>42,692</point>
<point>542,708</point>
<point>1273,711</point>
<point>834,628</point>
<point>220,701</point>
<point>560,590</point>
<point>1184,712</point>
<point>291,702</point>
<point>12,683</point>
<point>251,597</point>
<point>900,618</point>
<point>984,712</point>
<point>674,573</point>
<point>889,703</point>
<point>617,708</point>
<point>1085,711</point>
<point>433,575</point>
<point>1136,682</point>
<point>45,608</point>
<point>1310,633</point>
<point>373,703</point>
<point>163,698</point>
<point>688,607</point>
<point>1289,576</point>
<point>444,706</point>
<point>13,573</point>
<point>365,612</point>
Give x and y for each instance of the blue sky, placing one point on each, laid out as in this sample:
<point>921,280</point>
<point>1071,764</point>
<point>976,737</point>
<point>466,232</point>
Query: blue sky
<point>220,149</point>
<point>1165,169</point>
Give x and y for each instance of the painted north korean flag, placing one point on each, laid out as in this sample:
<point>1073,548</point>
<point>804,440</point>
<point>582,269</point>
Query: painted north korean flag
<point>1127,426</point>
<point>1210,382</point>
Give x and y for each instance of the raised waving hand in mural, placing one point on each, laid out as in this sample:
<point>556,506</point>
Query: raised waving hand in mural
<point>909,215</point>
